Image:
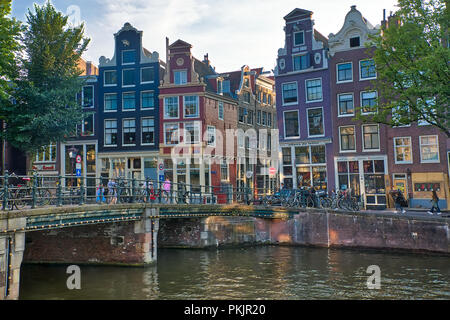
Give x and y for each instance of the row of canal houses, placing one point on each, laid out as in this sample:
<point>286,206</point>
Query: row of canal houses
<point>140,103</point>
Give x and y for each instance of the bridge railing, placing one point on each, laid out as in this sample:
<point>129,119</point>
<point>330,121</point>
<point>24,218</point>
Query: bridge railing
<point>25,192</point>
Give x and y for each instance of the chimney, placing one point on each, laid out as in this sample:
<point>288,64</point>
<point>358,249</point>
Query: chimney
<point>205,59</point>
<point>88,68</point>
<point>167,51</point>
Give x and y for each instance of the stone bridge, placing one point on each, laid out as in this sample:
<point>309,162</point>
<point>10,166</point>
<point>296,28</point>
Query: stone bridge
<point>129,234</point>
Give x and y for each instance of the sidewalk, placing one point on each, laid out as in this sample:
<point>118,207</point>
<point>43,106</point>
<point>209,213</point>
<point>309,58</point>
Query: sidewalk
<point>412,212</point>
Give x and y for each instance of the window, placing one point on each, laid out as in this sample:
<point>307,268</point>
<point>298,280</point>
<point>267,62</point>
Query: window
<point>424,117</point>
<point>348,176</point>
<point>219,86</point>
<point>315,122</point>
<point>247,97</point>
<point>344,72</point>
<point>88,96</point>
<point>147,75</point>
<point>264,97</point>
<point>291,125</point>
<point>313,90</point>
<point>110,101</point>
<point>368,102</point>
<point>191,108</point>
<point>110,78</point>
<point>171,133</point>
<point>129,132</point>
<point>400,114</point>
<point>110,132</point>
<point>46,153</point>
<point>264,118</point>
<point>371,137</point>
<point>87,126</point>
<point>289,93</point>
<point>354,42</point>
<point>246,82</point>
<point>241,115</point>
<point>299,38</point>
<point>250,116</point>
<point>402,150</point>
<point>258,117</point>
<point>180,77</point>
<point>192,132</point>
<point>311,168</point>
<point>147,100</point>
<point>211,136</point>
<point>128,56</point>
<point>148,131</point>
<point>220,107</point>
<point>367,69</point>
<point>347,138</point>
<point>128,78</point>
<point>226,86</point>
<point>429,149</point>
<point>269,119</point>
<point>300,62</point>
<point>224,170</point>
<point>345,104</point>
<point>170,107</point>
<point>129,101</point>
<point>269,99</point>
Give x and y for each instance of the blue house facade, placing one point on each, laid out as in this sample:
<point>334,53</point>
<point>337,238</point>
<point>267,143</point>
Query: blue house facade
<point>303,105</point>
<point>128,123</point>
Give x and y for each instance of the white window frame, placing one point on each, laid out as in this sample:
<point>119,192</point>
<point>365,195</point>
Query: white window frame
<point>104,78</point>
<point>437,146</point>
<point>338,105</point>
<point>142,132</point>
<point>123,132</point>
<point>222,166</point>
<point>104,133</point>
<point>293,39</point>
<point>361,100</point>
<point>197,126</point>
<point>282,94</point>
<point>306,90</point>
<point>395,150</point>
<point>164,132</point>
<point>337,72</point>
<point>198,107</point>
<point>93,96</point>
<point>128,85</point>
<point>93,126</point>
<point>284,124</point>
<point>211,130</point>
<point>340,140</point>
<point>174,78</point>
<point>293,63</point>
<point>364,79</point>
<point>104,102</point>
<point>164,108</point>
<point>147,91</point>
<point>220,107</point>
<point>51,146</point>
<point>323,122</point>
<point>362,137</point>
<point>146,82</point>
<point>129,63</point>
<point>123,99</point>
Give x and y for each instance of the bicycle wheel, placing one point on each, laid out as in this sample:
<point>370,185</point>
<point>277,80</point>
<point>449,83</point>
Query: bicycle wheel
<point>310,202</point>
<point>325,203</point>
<point>44,197</point>
<point>21,198</point>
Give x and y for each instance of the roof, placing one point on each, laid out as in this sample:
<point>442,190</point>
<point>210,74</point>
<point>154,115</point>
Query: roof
<point>320,37</point>
<point>180,43</point>
<point>297,13</point>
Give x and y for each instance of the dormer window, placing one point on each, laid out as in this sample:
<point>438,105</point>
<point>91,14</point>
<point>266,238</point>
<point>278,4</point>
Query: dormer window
<point>226,86</point>
<point>180,77</point>
<point>128,56</point>
<point>299,38</point>
<point>219,87</point>
<point>354,42</point>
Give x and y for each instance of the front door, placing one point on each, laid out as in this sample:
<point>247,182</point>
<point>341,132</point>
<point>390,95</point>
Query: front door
<point>400,184</point>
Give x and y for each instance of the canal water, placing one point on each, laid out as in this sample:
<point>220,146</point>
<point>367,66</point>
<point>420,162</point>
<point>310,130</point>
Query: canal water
<point>269,272</point>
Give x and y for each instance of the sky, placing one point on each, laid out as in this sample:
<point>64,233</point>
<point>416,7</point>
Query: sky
<point>233,32</point>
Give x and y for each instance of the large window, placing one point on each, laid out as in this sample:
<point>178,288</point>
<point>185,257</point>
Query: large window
<point>374,181</point>
<point>313,90</point>
<point>291,125</point>
<point>129,101</point>
<point>264,118</point>
<point>47,153</point>
<point>171,108</point>
<point>110,101</point>
<point>191,107</point>
<point>299,38</point>
<point>148,131</point>
<point>368,102</point>
<point>211,136</point>
<point>110,78</point>
<point>147,100</point>
<point>402,149</point>
<point>192,132</point>
<point>224,170</point>
<point>128,56</point>
<point>289,92</point>
<point>88,96</point>
<point>348,176</point>
<point>367,69</point>
<point>347,138</point>
<point>344,72</point>
<point>171,133</point>
<point>301,62</point>
<point>147,75</point>
<point>110,132</point>
<point>180,76</point>
<point>129,132</point>
<point>345,104</point>
<point>429,149</point>
<point>220,110</point>
<point>87,126</point>
<point>128,78</point>
<point>315,122</point>
<point>311,168</point>
<point>371,137</point>
<point>250,117</point>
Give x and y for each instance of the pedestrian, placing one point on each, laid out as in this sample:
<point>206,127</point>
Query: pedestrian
<point>399,201</point>
<point>100,193</point>
<point>112,191</point>
<point>166,188</point>
<point>434,203</point>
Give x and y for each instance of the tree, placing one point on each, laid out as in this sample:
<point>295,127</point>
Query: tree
<point>9,46</point>
<point>46,109</point>
<point>412,59</point>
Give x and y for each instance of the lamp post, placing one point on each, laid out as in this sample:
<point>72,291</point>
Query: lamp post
<point>72,155</point>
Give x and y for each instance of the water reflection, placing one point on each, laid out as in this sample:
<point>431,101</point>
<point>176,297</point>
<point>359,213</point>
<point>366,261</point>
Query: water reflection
<point>271,272</point>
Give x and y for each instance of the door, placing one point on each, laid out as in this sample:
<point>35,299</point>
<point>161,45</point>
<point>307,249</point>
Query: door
<point>400,184</point>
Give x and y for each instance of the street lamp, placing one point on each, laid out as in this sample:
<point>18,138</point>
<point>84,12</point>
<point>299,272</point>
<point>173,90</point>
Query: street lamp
<point>72,155</point>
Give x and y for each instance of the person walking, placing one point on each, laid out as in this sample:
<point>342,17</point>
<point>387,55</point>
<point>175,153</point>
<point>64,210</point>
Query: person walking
<point>112,191</point>
<point>434,203</point>
<point>166,188</point>
<point>399,201</point>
